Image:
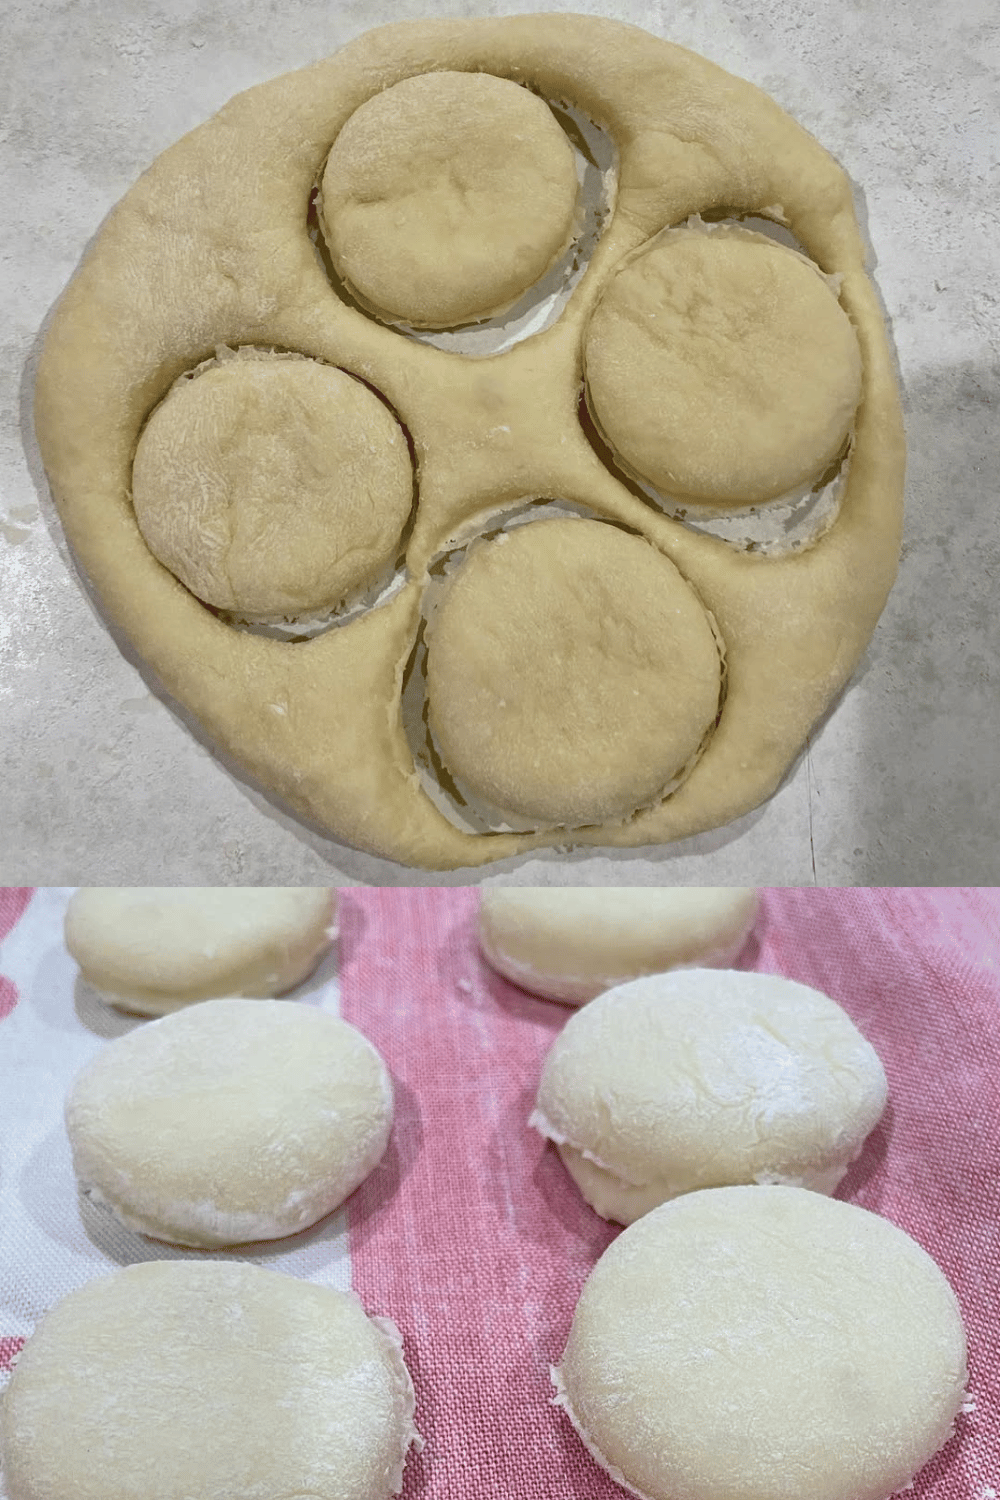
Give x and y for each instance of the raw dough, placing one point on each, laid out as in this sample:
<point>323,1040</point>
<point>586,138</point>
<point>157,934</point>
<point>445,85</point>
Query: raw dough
<point>571,942</point>
<point>705,1077</point>
<point>272,487</point>
<point>446,196</point>
<point>751,368</point>
<point>557,646</point>
<point>231,1121</point>
<point>175,1379</point>
<point>764,1344</point>
<point>153,949</point>
<point>211,247</point>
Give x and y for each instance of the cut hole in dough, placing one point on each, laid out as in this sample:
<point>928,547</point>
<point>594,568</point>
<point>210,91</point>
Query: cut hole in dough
<point>721,368</point>
<point>273,485</point>
<point>446,196</point>
<point>173,1379</point>
<point>570,943</point>
<point>153,949</point>
<point>762,1344</point>
<point>572,674</point>
<point>231,1121</point>
<point>703,1078</point>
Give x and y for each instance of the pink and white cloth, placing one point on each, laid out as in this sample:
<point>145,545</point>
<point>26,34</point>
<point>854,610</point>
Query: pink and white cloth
<point>470,1234</point>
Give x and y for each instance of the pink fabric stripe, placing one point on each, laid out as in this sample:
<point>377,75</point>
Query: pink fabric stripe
<point>472,1238</point>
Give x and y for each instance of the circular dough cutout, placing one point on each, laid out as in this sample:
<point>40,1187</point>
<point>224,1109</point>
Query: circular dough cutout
<point>153,949</point>
<point>273,487</point>
<point>739,1339</point>
<point>446,196</point>
<point>572,942</point>
<point>572,674</point>
<point>721,367</point>
<point>231,1121</point>
<point>703,1078</point>
<point>175,1378</point>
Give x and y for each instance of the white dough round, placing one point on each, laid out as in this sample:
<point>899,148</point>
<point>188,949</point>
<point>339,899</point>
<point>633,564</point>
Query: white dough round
<point>231,1121</point>
<point>571,943</point>
<point>174,1379</point>
<point>764,1344</point>
<point>153,949</point>
<point>703,1078</point>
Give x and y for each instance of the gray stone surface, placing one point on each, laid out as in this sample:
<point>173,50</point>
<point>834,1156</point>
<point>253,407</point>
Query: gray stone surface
<point>102,780</point>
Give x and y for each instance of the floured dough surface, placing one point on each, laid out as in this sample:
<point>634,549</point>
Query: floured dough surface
<point>153,949</point>
<point>756,1343</point>
<point>752,368</point>
<point>231,1121</point>
<point>571,942</point>
<point>272,487</point>
<point>555,646</point>
<point>447,195</point>
<point>703,1078</point>
<point>175,1379</point>
<point>221,245</point>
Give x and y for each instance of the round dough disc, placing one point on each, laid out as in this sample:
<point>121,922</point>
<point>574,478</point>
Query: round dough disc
<point>763,1344</point>
<point>572,942</point>
<point>448,195</point>
<point>152,949</point>
<point>705,1077</point>
<point>554,648</point>
<point>749,370</point>
<point>230,1121</point>
<point>172,1379</point>
<point>273,487</point>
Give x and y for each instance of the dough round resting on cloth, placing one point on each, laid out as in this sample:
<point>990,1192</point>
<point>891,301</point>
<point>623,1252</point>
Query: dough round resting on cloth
<point>217,246</point>
<point>764,1344</point>
<point>751,371</point>
<point>272,487</point>
<point>152,949</point>
<point>447,196</point>
<point>231,1121</point>
<point>706,1077</point>
<point>571,942</point>
<point>572,674</point>
<point>175,1379</point>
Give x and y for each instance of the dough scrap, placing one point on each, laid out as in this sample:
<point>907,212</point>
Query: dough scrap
<point>752,371</point>
<point>741,1343</point>
<point>570,943</point>
<point>703,1078</point>
<point>272,487</point>
<point>446,196</point>
<point>172,1379</point>
<point>230,1121</point>
<point>572,674</point>
<point>211,248</point>
<point>153,949</point>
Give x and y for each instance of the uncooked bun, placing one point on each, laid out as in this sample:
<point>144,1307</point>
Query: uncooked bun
<point>447,195</point>
<point>174,1379</point>
<point>153,949</point>
<point>556,645</point>
<point>570,942</point>
<point>751,368</point>
<point>230,1121</point>
<point>702,1078</point>
<point>273,486</point>
<point>764,1344</point>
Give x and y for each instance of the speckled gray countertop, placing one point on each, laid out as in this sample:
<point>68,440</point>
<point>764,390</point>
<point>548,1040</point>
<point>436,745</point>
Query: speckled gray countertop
<point>103,782</point>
